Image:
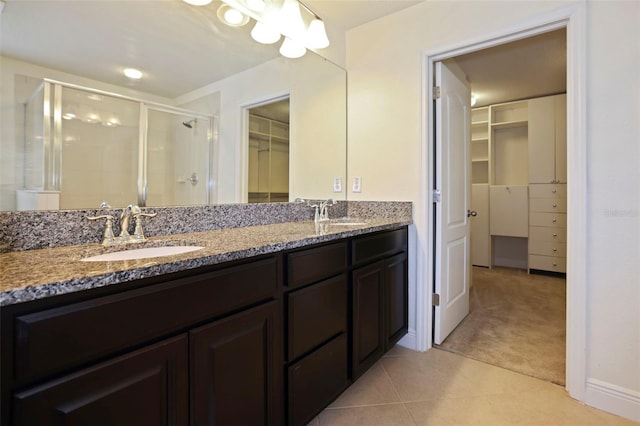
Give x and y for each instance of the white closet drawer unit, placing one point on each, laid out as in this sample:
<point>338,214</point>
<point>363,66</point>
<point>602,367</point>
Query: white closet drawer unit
<point>548,205</point>
<point>554,220</point>
<point>547,190</point>
<point>545,233</point>
<point>548,263</point>
<point>547,248</point>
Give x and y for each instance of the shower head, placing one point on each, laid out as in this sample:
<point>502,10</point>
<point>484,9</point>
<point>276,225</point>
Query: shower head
<point>190,123</point>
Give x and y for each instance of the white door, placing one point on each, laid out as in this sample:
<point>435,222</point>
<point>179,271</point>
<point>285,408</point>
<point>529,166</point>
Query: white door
<point>453,180</point>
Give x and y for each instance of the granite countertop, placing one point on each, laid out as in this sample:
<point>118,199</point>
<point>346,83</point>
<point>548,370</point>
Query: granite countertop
<point>37,274</point>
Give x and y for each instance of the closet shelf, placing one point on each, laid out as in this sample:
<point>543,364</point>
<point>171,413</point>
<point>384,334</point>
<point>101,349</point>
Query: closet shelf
<point>509,124</point>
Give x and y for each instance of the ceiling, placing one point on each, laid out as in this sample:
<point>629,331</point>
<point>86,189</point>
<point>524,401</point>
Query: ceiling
<point>182,48</point>
<point>527,68</point>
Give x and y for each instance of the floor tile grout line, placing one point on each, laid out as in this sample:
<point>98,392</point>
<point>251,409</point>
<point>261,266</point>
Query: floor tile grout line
<point>386,373</point>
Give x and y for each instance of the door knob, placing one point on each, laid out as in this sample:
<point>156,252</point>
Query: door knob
<point>472,213</point>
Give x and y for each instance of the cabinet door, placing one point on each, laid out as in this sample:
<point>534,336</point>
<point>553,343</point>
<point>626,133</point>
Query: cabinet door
<point>396,299</point>
<point>145,387</point>
<point>542,135</point>
<point>561,138</point>
<point>368,340</point>
<point>236,370</point>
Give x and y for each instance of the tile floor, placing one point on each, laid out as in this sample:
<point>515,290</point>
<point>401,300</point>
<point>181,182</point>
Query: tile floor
<point>441,388</point>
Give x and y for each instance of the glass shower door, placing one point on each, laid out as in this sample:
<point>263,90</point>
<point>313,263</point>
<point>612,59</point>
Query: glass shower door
<point>98,149</point>
<point>178,159</point>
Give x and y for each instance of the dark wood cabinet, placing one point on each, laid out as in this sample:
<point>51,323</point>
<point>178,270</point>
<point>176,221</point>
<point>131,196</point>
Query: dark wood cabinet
<point>269,340</point>
<point>147,386</point>
<point>368,340</point>
<point>379,294</point>
<point>234,369</point>
<point>396,296</point>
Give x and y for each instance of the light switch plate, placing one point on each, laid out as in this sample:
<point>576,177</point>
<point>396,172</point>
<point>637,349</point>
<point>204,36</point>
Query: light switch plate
<point>357,184</point>
<point>337,184</point>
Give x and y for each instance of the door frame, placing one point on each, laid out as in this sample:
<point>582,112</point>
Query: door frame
<point>573,18</point>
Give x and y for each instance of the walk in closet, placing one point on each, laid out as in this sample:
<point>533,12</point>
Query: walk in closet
<point>519,181</point>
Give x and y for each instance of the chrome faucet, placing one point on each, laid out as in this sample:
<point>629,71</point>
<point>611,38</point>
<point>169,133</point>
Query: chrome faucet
<point>324,209</point>
<point>131,211</point>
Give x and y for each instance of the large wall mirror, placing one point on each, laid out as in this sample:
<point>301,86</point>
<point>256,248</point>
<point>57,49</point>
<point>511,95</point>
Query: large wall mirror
<point>76,132</point>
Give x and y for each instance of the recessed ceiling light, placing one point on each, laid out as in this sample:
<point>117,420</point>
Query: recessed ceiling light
<point>133,73</point>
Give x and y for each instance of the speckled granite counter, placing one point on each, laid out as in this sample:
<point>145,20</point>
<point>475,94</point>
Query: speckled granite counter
<point>36,274</point>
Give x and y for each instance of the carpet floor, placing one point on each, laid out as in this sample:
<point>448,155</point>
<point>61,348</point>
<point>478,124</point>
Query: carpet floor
<point>516,321</point>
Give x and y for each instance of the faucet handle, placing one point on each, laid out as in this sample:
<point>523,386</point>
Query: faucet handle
<point>138,233</point>
<point>107,237</point>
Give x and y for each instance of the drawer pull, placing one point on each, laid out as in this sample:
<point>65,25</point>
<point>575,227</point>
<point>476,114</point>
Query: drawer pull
<point>554,191</point>
<point>555,205</point>
<point>555,249</point>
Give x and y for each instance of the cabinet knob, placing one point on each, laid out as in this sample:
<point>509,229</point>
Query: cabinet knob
<point>555,234</point>
<point>554,191</point>
<point>555,249</point>
<point>554,220</point>
<point>555,205</point>
<point>555,264</point>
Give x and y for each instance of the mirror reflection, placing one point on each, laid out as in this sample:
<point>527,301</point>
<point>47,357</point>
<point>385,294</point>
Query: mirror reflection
<point>74,141</point>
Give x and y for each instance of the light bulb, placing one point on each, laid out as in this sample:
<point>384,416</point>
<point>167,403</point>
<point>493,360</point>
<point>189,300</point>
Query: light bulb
<point>292,49</point>
<point>198,2</point>
<point>262,33</point>
<point>317,35</point>
<point>473,100</point>
<point>133,73</point>
<point>291,20</point>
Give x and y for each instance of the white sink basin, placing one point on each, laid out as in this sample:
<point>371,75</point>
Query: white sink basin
<point>143,253</point>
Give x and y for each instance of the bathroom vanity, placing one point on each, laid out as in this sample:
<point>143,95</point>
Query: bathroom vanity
<point>251,337</point>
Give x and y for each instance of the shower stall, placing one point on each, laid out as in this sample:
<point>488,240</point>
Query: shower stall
<point>84,147</point>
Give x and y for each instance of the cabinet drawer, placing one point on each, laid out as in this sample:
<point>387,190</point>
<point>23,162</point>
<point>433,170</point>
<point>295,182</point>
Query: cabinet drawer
<point>548,263</point>
<point>554,220</point>
<point>547,248</point>
<point>543,190</point>
<point>310,265</point>
<point>545,233</point>
<point>60,338</point>
<point>375,246</point>
<point>316,380</point>
<point>316,314</point>
<point>550,205</point>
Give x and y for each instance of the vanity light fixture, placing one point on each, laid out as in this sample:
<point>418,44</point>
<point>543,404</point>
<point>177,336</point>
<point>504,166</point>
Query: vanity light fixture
<point>133,73</point>
<point>317,35</point>
<point>272,22</point>
<point>263,33</point>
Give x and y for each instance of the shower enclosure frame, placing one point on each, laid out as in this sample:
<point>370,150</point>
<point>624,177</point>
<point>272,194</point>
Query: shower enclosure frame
<point>52,136</point>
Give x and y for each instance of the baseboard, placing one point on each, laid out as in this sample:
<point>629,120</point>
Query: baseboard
<point>613,399</point>
<point>409,340</point>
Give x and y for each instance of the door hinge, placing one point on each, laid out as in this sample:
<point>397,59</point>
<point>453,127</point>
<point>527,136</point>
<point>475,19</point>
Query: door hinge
<point>436,92</point>
<point>435,195</point>
<point>435,299</point>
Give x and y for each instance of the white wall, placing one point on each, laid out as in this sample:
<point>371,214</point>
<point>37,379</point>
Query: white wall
<point>384,63</point>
